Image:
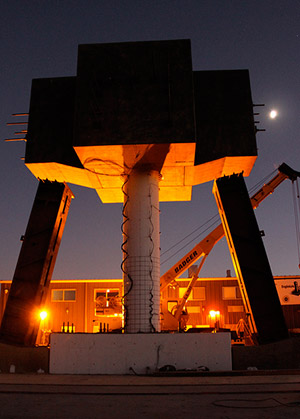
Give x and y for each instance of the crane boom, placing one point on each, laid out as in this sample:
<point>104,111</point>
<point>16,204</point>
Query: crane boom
<point>204,247</point>
<point>284,172</point>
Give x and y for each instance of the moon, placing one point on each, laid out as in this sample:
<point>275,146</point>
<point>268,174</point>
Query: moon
<point>273,114</point>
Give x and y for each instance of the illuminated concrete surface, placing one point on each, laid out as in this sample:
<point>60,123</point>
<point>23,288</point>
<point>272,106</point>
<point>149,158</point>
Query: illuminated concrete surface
<point>205,397</point>
<point>141,252</point>
<point>141,353</point>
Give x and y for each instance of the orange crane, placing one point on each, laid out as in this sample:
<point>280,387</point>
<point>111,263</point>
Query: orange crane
<point>204,247</point>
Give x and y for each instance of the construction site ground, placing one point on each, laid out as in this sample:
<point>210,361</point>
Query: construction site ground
<point>230,395</point>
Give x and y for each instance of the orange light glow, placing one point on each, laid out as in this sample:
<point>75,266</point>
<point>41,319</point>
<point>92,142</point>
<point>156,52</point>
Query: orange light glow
<point>213,314</point>
<point>43,315</point>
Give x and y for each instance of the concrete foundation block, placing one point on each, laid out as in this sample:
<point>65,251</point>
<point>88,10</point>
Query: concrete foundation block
<point>138,353</point>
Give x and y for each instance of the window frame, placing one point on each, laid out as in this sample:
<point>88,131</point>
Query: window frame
<point>105,293</point>
<point>63,290</point>
<point>231,297</point>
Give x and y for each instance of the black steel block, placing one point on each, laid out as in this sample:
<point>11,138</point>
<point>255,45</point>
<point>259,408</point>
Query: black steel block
<point>224,115</point>
<point>51,122</point>
<point>250,258</point>
<point>134,93</point>
<point>35,264</point>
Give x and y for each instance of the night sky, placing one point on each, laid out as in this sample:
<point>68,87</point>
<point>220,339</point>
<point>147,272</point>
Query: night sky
<point>39,39</point>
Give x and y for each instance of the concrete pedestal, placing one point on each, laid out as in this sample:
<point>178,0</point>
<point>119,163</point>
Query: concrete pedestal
<point>138,353</point>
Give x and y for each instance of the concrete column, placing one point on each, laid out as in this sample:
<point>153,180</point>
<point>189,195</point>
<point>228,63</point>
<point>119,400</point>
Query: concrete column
<point>141,252</point>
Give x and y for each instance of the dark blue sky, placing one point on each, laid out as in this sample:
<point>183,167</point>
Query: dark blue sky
<point>40,39</point>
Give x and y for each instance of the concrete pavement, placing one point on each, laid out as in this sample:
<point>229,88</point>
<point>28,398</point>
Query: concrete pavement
<point>271,394</point>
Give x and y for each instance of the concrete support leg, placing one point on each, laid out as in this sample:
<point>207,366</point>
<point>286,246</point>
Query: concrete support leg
<point>141,252</point>
<point>21,321</point>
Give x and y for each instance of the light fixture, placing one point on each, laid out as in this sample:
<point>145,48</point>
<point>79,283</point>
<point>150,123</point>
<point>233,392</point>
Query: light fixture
<point>43,314</point>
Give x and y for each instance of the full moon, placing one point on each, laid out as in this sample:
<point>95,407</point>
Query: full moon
<point>273,114</point>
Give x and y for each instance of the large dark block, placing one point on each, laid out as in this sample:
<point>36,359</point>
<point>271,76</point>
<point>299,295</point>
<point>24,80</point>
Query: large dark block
<point>140,93</point>
<point>250,259</point>
<point>224,115</point>
<point>138,104</point>
<point>51,122</point>
<point>134,93</point>
<point>20,323</point>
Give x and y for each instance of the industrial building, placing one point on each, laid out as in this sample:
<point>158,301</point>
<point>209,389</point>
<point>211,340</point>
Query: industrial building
<point>95,306</point>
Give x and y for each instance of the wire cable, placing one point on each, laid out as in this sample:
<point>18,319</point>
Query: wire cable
<point>261,182</point>
<point>191,241</point>
<point>257,186</point>
<point>295,189</point>
<point>188,235</point>
<point>125,253</point>
<point>151,300</point>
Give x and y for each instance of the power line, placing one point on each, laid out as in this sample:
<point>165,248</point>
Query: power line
<point>251,190</point>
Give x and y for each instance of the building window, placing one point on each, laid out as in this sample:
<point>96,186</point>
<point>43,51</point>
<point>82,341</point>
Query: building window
<point>172,306</point>
<point>107,301</point>
<point>199,293</point>
<point>63,295</point>
<point>235,309</point>
<point>194,309</point>
<point>182,291</point>
<point>229,293</point>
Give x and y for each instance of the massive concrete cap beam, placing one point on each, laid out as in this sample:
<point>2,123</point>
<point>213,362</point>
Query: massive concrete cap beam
<point>129,98</point>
